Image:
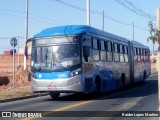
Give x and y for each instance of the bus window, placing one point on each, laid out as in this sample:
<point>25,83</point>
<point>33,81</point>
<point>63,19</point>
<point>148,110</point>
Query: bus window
<point>125,53</point>
<point>135,54</point>
<point>103,51</point>
<point>141,53</point>
<point>121,49</point>
<point>109,46</point>
<point>121,53</point>
<point>125,50</point>
<point>116,53</point>
<point>95,51</point>
<point>135,51</point>
<point>95,44</point>
<point>138,55</point>
<point>144,59</point>
<point>102,45</point>
<point>116,48</point>
<point>109,51</point>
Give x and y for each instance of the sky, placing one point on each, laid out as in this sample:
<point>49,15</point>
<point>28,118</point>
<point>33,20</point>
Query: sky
<point>50,13</point>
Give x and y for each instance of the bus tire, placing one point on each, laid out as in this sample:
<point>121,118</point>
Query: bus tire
<point>54,95</point>
<point>97,86</point>
<point>144,77</point>
<point>122,81</point>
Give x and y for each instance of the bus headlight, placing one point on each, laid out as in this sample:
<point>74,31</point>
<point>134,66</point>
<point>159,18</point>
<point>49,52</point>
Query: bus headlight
<point>75,72</point>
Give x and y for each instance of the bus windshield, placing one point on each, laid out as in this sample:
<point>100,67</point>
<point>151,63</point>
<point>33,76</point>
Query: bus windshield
<point>55,57</point>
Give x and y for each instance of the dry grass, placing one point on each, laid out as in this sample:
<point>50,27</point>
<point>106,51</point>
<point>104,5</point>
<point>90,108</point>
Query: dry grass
<point>20,92</point>
<point>22,84</point>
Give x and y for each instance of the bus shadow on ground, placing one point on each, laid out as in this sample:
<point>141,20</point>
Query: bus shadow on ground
<point>131,91</point>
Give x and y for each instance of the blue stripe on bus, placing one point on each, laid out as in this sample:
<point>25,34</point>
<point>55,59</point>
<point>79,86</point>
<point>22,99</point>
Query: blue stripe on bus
<point>52,75</point>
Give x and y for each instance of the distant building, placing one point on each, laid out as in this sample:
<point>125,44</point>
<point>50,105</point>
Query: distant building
<point>9,52</point>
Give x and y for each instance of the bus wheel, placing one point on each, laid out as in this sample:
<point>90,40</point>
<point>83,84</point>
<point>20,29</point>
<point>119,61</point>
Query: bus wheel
<point>54,95</point>
<point>97,87</point>
<point>122,81</point>
<point>144,77</point>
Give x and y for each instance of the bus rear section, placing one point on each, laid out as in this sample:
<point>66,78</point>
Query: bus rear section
<point>142,66</point>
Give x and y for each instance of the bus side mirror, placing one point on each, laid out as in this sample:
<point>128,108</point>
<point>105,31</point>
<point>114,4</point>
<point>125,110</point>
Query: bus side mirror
<point>26,51</point>
<point>86,53</point>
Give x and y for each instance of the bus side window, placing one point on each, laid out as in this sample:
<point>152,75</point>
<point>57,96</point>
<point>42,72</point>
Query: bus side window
<point>102,50</point>
<point>144,59</point>
<point>116,52</point>
<point>109,51</point>
<point>95,50</point>
<point>135,54</point>
<point>125,53</point>
<point>138,55</point>
<point>121,53</point>
<point>141,54</point>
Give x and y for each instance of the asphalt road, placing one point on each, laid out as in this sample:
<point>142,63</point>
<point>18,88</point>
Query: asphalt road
<point>137,98</point>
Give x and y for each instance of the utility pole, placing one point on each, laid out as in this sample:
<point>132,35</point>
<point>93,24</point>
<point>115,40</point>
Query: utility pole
<point>158,56</point>
<point>14,83</point>
<point>18,52</point>
<point>133,30</point>
<point>103,21</point>
<point>26,35</point>
<point>88,12</point>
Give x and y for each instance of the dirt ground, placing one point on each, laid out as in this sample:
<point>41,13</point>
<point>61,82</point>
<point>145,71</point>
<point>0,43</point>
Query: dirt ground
<point>22,84</point>
<point>19,92</point>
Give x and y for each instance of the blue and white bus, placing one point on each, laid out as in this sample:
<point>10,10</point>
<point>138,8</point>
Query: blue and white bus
<point>83,59</point>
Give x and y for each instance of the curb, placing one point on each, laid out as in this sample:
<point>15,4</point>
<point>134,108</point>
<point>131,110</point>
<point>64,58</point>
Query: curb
<point>24,97</point>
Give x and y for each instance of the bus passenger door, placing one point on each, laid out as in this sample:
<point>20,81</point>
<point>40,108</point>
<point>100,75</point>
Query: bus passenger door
<point>87,65</point>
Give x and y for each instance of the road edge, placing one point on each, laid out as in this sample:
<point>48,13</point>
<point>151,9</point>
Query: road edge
<point>23,97</point>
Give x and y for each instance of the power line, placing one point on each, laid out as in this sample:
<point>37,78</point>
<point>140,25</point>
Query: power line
<point>33,15</point>
<point>75,7</point>
<point>95,12</point>
<point>115,20</point>
<point>70,5</point>
<point>12,11</point>
<point>134,9</point>
<point>139,10</point>
<point>141,28</point>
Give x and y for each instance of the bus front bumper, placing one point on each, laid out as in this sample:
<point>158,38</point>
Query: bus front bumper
<point>69,85</point>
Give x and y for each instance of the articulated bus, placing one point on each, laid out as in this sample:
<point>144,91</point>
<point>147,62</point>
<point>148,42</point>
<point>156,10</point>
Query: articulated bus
<point>83,59</point>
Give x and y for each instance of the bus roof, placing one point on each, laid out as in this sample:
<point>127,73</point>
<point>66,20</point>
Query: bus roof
<point>78,29</point>
<point>62,30</point>
<point>75,29</point>
<point>135,43</point>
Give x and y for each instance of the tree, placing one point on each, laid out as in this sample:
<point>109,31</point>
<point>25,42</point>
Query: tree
<point>155,37</point>
<point>155,34</point>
